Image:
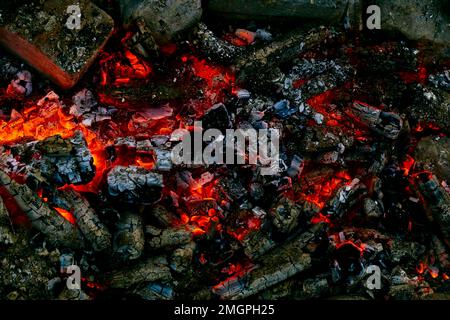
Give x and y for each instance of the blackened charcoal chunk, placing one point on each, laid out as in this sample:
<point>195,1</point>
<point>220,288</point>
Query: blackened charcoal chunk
<point>134,185</point>
<point>232,188</point>
<point>217,117</point>
<point>285,215</point>
<point>128,243</point>
<point>65,161</point>
<point>403,251</point>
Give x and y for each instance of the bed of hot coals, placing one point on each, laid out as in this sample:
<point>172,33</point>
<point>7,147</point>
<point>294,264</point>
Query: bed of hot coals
<point>360,208</point>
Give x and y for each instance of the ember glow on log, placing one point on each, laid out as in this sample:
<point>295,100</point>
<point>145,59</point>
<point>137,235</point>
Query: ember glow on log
<point>354,203</point>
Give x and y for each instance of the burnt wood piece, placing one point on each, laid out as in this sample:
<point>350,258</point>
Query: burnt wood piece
<point>152,269</point>
<point>128,242</point>
<point>134,185</point>
<point>167,238</point>
<point>274,267</point>
<point>436,201</point>
<point>87,220</point>
<point>387,124</point>
<point>261,60</point>
<point>37,32</point>
<point>58,230</point>
<point>214,48</point>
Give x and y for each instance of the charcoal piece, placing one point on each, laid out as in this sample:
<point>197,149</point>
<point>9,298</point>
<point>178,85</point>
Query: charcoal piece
<point>262,59</point>
<point>21,84</point>
<point>61,161</point>
<point>387,124</point>
<point>323,139</point>
<point>217,117</point>
<point>134,185</point>
<point>257,243</point>
<point>214,48</point>
<point>372,209</point>
<point>180,260</point>
<point>128,241</point>
<point>142,42</point>
<point>232,188</point>
<point>311,288</point>
<point>167,238</point>
<point>433,153</point>
<point>285,215</point>
<point>37,32</point>
<point>318,77</point>
<point>164,217</point>
<point>151,269</point>
<point>405,252</point>
<point>163,159</point>
<point>155,291</point>
<point>87,220</point>
<point>8,67</point>
<point>273,268</point>
<point>6,235</point>
<point>83,102</point>
<point>344,198</point>
<point>436,202</point>
<point>441,253</point>
<point>329,11</point>
<point>58,230</point>
<point>73,295</point>
<point>430,105</point>
<point>148,94</point>
<point>164,18</point>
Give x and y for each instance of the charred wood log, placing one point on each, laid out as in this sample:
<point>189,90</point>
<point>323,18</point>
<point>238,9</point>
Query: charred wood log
<point>285,215</point>
<point>128,242</point>
<point>436,201</point>
<point>345,198</point>
<point>213,47</point>
<point>6,235</point>
<point>152,269</point>
<point>87,220</point>
<point>181,259</point>
<point>167,238</point>
<point>58,230</point>
<point>387,124</point>
<point>134,185</point>
<point>164,217</point>
<point>60,161</point>
<point>273,268</point>
<point>299,289</point>
<point>263,59</point>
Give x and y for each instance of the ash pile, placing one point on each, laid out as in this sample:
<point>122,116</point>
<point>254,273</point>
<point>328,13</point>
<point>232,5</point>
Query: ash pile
<point>358,206</point>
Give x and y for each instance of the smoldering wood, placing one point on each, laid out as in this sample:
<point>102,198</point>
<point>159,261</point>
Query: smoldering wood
<point>257,243</point>
<point>147,94</point>
<point>6,233</point>
<point>387,124</point>
<point>61,161</point>
<point>323,139</point>
<point>164,217</point>
<point>87,220</point>
<point>319,76</point>
<point>345,198</point>
<point>129,241</point>
<point>264,58</point>
<point>436,203</point>
<point>214,48</point>
<point>155,291</point>
<point>152,269</point>
<point>180,260</point>
<point>285,215</point>
<point>167,238</point>
<point>276,266</point>
<point>299,289</point>
<point>58,231</point>
<point>134,184</point>
<point>441,253</point>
